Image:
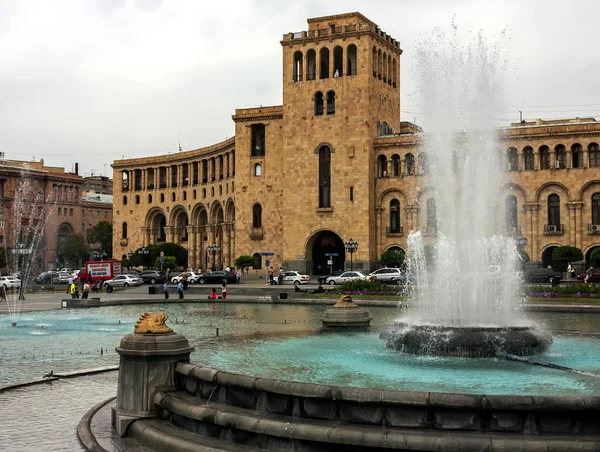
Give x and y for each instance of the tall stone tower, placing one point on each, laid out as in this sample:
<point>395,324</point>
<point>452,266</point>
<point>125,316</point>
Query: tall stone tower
<point>340,90</point>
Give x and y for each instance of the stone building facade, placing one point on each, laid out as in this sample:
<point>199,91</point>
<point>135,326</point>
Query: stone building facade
<point>335,162</point>
<point>46,202</point>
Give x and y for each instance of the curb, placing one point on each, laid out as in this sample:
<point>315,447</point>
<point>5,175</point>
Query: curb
<point>72,374</point>
<point>84,429</point>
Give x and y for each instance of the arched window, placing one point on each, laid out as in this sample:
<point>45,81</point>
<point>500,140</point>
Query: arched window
<point>194,194</point>
<point>257,148</point>
<point>544,157</point>
<point>258,261</point>
<point>422,163</point>
<point>162,197</point>
<point>331,102</point>
<point>311,64</point>
<point>173,196</point>
<point>338,61</point>
<point>577,155</point>
<point>124,200</point>
<point>389,69</point>
<point>324,70</point>
<point>212,191</point>
<point>220,190</point>
<point>384,68</point>
<point>382,166</point>
<point>396,165</point>
<point>384,129</point>
<point>124,230</point>
<point>560,157</point>
<point>511,214</point>
<point>409,164</point>
<point>221,167</point>
<point>297,66</point>
<point>374,61</point>
<point>554,211</point>
<point>324,176</point>
<point>379,64</point>
<point>394,216</point>
<point>257,216</point>
<point>184,196</point>
<point>204,193</point>
<point>394,73</point>
<point>318,103</point>
<point>594,152</point>
<point>351,59</point>
<point>137,199</point>
<point>124,181</point>
<point>596,209</point>
<point>258,170</point>
<point>528,158</point>
<point>149,199</point>
<point>431,216</point>
<point>513,160</point>
<point>173,175</point>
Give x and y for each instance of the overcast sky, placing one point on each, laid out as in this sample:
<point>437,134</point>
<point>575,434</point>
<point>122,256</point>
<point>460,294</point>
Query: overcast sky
<point>91,81</point>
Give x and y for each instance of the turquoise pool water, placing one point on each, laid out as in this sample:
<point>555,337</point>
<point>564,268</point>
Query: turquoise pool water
<point>65,340</point>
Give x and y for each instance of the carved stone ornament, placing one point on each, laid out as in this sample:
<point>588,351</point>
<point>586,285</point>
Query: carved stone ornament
<point>152,324</point>
<point>346,302</point>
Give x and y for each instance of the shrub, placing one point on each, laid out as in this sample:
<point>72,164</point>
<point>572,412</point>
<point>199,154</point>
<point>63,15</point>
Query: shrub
<point>562,255</point>
<point>595,258</point>
<point>569,289</point>
<point>363,287</point>
<point>393,258</point>
<point>246,261</point>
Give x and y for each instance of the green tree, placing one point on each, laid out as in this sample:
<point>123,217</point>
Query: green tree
<point>73,250</point>
<point>102,234</point>
<point>126,263</point>
<point>393,258</point>
<point>169,262</point>
<point>170,249</point>
<point>595,258</point>
<point>245,262</point>
<point>562,255</point>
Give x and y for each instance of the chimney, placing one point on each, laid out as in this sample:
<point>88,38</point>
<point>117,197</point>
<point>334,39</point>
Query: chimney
<point>77,168</point>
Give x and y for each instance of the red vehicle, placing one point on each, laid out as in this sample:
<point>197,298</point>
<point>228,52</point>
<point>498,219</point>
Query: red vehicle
<point>100,270</point>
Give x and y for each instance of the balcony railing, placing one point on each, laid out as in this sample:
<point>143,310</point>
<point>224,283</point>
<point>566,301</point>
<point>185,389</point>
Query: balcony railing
<point>554,229</point>
<point>150,186</point>
<point>174,184</point>
<point>256,233</point>
<point>204,180</point>
<point>185,183</point>
<point>125,188</point>
<point>394,232</point>
<point>138,186</point>
<point>593,229</point>
<point>162,185</point>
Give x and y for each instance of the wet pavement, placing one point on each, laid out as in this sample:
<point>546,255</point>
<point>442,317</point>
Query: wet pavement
<point>44,417</point>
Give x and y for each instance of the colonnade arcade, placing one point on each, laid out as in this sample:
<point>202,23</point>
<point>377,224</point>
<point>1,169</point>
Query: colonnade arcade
<point>206,224</point>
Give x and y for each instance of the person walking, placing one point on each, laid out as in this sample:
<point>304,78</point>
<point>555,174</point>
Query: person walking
<point>238,275</point>
<point>224,289</point>
<point>180,290</point>
<point>73,290</point>
<point>3,293</point>
<point>166,290</point>
<point>271,276</point>
<point>280,277</point>
<point>86,290</point>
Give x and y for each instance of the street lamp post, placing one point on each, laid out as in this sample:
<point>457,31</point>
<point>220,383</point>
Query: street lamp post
<point>144,252</point>
<point>213,249</point>
<point>351,246</point>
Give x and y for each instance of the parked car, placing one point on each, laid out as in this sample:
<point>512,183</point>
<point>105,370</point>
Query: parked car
<point>321,279</point>
<point>123,281</point>
<point>10,282</point>
<point>388,274</point>
<point>47,278</point>
<point>217,278</point>
<point>345,277</point>
<point>64,278</point>
<point>131,273</point>
<point>152,276</point>
<point>594,277</point>
<point>294,277</point>
<point>540,275</point>
<point>192,277</point>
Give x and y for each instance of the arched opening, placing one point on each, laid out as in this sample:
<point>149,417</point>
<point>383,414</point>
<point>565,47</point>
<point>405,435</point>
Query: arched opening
<point>258,260</point>
<point>351,60</point>
<point>162,197</point>
<point>379,64</point>
<point>124,200</point>
<point>577,155</point>
<point>596,210</point>
<point>511,214</point>
<point>324,70</point>
<point>311,64</point>
<point>173,197</point>
<point>396,165</point>
<point>149,199</point>
<point>194,194</point>
<point>318,103</point>
<point>588,257</point>
<point>431,217</point>
<point>184,196</point>
<point>394,73</point>
<point>338,61</point>
<point>330,102</point>
<point>374,61</point>
<point>381,166</point>
<point>257,216</point>
<point>544,157</point>
<point>124,181</point>
<point>513,159</point>
<point>528,158</point>
<point>63,233</point>
<point>560,157</point>
<point>298,57</point>
<point>173,175</point>
<point>321,248</point>
<point>221,167</point>
<point>594,153</point>
<point>180,222</point>
<point>547,256</point>
<point>389,69</point>
<point>409,163</point>
<point>137,179</point>
<point>258,170</point>
<point>137,199</point>
<point>124,230</point>
<point>324,176</point>
<point>394,217</point>
<point>385,66</point>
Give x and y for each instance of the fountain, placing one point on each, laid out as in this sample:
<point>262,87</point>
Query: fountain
<point>28,218</point>
<point>465,283</point>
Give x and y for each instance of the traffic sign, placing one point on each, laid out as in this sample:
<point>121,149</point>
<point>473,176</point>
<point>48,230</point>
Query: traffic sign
<point>267,262</point>
<point>329,262</point>
<point>162,254</point>
<point>266,254</point>
<point>332,254</point>
<point>162,260</point>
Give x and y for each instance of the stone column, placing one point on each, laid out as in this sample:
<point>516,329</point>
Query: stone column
<point>147,366</point>
<point>169,234</point>
<point>535,235</point>
<point>571,208</point>
<point>317,69</point>
<point>569,157</point>
<point>192,236</point>
<point>379,232</point>
<point>579,228</point>
<point>536,160</point>
<point>146,236</point>
<point>520,160</point>
<point>552,159</point>
<point>586,158</point>
<point>225,250</point>
<point>232,241</point>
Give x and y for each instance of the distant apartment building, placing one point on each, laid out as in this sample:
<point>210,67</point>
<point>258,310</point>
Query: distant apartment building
<point>98,184</point>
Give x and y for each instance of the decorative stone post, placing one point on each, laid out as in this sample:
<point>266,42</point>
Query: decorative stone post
<point>147,366</point>
<point>346,315</point>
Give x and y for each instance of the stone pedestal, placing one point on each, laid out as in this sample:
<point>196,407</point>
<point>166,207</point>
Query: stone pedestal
<point>346,315</point>
<point>147,366</point>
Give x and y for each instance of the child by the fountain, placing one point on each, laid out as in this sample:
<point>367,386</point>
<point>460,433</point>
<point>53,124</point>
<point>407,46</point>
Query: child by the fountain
<point>224,289</point>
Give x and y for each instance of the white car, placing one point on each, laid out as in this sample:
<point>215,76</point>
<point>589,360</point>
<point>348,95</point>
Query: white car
<point>388,274</point>
<point>345,277</point>
<point>123,281</point>
<point>192,277</point>
<point>295,278</point>
<point>10,282</point>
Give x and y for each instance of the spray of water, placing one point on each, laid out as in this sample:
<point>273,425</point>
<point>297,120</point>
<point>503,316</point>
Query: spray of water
<point>464,270</point>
